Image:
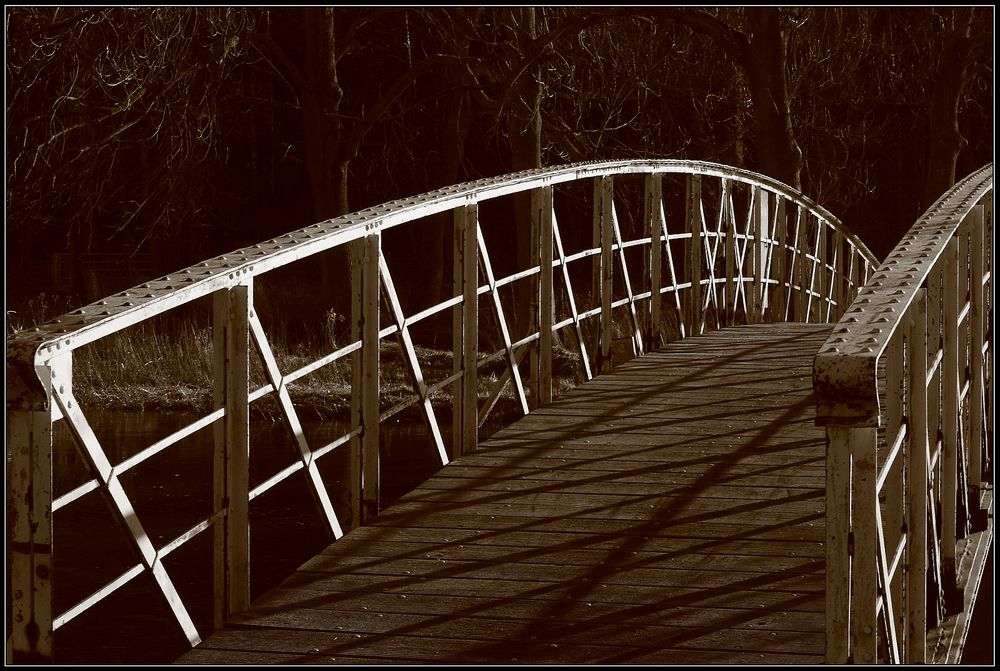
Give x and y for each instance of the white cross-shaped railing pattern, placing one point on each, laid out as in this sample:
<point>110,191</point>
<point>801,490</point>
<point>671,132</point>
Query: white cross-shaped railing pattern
<point>903,389</point>
<point>706,268</point>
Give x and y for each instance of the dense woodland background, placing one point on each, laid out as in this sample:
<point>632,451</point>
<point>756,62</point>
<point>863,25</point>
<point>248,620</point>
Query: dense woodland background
<point>167,135</point>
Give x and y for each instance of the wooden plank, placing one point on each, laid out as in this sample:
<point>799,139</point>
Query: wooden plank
<point>664,511</point>
<point>608,631</point>
<point>446,488</point>
<point>417,542</point>
<point>755,592</point>
<point>464,561</point>
<point>799,615</point>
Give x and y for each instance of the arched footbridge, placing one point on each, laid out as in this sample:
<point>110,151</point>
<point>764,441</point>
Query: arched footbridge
<point>780,449</point>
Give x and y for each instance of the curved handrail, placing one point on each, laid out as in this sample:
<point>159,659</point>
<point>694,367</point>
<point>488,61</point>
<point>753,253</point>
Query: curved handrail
<point>34,346</point>
<point>787,258</point>
<point>845,368</point>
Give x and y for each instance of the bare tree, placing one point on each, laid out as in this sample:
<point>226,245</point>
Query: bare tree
<point>113,115</point>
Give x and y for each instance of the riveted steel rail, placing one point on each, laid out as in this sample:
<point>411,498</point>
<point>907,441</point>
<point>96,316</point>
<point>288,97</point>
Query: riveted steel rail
<point>710,246</point>
<point>904,389</point>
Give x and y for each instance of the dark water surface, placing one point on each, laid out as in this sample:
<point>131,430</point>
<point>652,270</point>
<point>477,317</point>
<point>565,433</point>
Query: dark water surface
<point>170,493</point>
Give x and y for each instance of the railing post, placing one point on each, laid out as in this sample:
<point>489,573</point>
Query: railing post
<point>365,303</point>
<point>732,291</point>
<point>231,346</point>
<point>976,342</point>
<point>778,261</point>
<point>652,209</point>
<point>695,251</point>
<point>759,226</point>
<point>604,203</point>
<point>838,545</point>
<point>837,289</point>
<point>965,356</point>
<point>917,489</point>
<point>465,400</point>
<point>864,567</point>
<point>541,212</point>
<point>29,497</point>
<point>802,249</point>
<point>820,273</point>
<point>949,420</point>
<point>892,490</point>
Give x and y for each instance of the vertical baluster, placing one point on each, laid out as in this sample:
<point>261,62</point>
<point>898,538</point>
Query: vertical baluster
<point>607,277</point>
<point>934,349</point>
<point>838,559</point>
<point>917,484</point>
<point>778,261</point>
<point>964,369</point>
<point>29,496</point>
<point>893,488</point>
<point>850,271</point>
<point>532,295</point>
<point>802,248</point>
<point>759,226</point>
<point>693,226</point>
<point>819,301</point>
<point>864,572</point>
<point>652,201</point>
<point>542,211</point>
<point>731,259</point>
<point>976,397</point>
<point>465,320</point>
<point>949,421</point>
<point>596,272</point>
<point>365,281</point>
<point>835,292</point>
<point>231,346</point>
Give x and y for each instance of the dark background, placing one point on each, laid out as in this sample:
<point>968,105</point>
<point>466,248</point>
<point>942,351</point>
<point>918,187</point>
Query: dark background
<point>143,140</point>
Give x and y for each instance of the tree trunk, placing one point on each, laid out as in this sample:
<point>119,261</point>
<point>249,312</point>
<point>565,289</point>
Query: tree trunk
<point>434,244</point>
<point>778,153</point>
<point>946,141</point>
<point>524,128</point>
<point>326,167</point>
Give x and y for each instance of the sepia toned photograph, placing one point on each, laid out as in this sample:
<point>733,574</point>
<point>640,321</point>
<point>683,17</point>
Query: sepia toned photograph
<point>553,335</point>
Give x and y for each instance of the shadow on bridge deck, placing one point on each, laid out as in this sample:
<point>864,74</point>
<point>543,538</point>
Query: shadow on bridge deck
<point>669,512</point>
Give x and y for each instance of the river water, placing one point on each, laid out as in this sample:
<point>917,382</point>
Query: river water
<point>170,493</point>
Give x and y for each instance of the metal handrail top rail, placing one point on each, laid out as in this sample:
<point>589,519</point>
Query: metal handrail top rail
<point>37,345</point>
<point>845,368</point>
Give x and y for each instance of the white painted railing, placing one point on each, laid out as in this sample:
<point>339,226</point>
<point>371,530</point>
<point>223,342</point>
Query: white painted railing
<point>713,246</point>
<point>904,388</point>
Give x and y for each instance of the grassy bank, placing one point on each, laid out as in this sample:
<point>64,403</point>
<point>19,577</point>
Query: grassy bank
<point>166,366</point>
<point>144,369</point>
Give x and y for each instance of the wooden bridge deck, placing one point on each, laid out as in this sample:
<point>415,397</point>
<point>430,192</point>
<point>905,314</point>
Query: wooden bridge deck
<point>670,512</point>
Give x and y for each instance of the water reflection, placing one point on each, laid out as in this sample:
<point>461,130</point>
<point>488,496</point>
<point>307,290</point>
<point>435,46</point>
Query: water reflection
<point>170,493</point>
